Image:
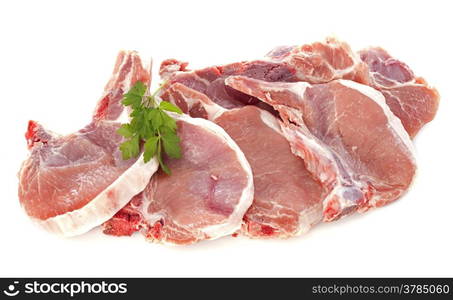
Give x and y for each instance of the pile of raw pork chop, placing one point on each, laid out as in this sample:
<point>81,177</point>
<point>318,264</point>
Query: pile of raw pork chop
<point>270,148</point>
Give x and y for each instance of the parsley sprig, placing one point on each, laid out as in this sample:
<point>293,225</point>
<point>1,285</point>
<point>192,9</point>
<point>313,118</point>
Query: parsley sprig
<point>150,126</point>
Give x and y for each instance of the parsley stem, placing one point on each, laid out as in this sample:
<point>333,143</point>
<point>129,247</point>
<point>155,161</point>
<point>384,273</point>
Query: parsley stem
<point>149,103</point>
<point>158,89</point>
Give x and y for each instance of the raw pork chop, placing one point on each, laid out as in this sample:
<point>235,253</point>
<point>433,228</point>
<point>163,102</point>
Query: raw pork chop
<point>72,183</point>
<point>287,201</point>
<point>347,136</point>
<point>205,197</point>
<point>315,63</point>
<point>409,97</point>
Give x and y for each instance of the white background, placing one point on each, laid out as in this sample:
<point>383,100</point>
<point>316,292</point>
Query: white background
<point>55,58</point>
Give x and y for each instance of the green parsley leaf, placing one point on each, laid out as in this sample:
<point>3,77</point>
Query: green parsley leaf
<point>150,148</point>
<point>138,119</point>
<point>168,121</point>
<point>171,143</point>
<point>134,97</point>
<point>139,88</point>
<point>125,130</point>
<point>165,105</point>
<point>131,100</point>
<point>155,116</point>
<point>130,148</point>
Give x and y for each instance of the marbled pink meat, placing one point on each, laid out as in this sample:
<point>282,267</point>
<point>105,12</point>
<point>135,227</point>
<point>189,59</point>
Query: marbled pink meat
<point>347,136</point>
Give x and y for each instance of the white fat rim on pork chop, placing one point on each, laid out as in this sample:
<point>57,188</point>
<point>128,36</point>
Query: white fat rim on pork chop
<point>270,121</point>
<point>105,205</point>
